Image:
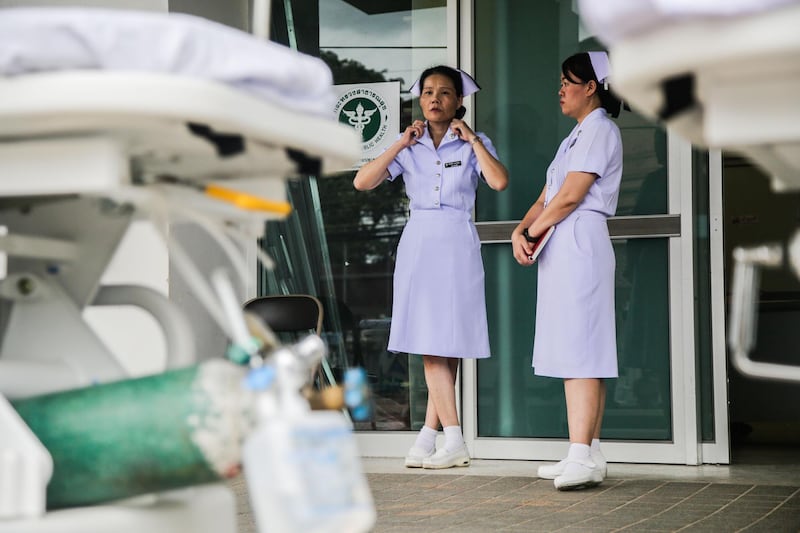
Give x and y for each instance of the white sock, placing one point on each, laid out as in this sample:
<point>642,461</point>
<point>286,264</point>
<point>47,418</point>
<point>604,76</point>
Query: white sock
<point>426,439</point>
<point>595,445</point>
<point>453,439</point>
<point>578,451</point>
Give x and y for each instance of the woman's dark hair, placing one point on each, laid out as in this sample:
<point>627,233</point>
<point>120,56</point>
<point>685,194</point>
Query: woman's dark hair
<point>580,66</point>
<point>454,76</point>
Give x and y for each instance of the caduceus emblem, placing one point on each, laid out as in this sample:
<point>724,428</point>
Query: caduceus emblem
<point>360,117</point>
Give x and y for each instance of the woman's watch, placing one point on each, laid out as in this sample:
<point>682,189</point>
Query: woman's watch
<point>475,139</point>
<point>528,237</point>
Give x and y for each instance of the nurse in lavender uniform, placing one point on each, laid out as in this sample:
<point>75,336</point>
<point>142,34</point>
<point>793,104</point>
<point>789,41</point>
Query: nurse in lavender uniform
<point>575,325</point>
<point>439,309</point>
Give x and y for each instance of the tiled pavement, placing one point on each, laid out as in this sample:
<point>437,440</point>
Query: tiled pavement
<point>465,503</point>
<point>506,496</point>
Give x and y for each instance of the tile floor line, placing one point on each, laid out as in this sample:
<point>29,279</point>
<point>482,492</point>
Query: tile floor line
<point>606,488</point>
<point>633,501</point>
<point>630,502</point>
<point>721,507</point>
<point>673,506</point>
<point>507,496</point>
<point>785,500</point>
<point>456,478</point>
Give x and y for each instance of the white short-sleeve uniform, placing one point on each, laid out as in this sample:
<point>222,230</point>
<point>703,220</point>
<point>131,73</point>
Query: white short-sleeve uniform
<point>439,305</point>
<point>575,334</point>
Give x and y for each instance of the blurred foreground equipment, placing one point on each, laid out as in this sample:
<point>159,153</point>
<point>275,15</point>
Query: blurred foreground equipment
<point>724,75</point>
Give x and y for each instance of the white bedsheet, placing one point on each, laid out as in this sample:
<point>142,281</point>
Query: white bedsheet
<point>48,39</point>
<point>613,20</point>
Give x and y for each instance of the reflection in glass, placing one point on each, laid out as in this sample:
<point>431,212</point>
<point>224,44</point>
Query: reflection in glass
<point>518,59</point>
<point>702,276</point>
<point>639,403</point>
<point>512,402</point>
<point>644,182</point>
<point>371,41</point>
<point>338,244</point>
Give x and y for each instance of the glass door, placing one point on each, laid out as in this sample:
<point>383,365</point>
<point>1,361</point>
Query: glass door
<point>652,408</point>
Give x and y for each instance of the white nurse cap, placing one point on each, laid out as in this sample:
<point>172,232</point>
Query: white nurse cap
<point>601,66</point>
<point>468,85</point>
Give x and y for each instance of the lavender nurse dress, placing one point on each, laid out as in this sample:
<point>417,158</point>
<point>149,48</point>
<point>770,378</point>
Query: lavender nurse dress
<point>575,324</point>
<point>439,305</point>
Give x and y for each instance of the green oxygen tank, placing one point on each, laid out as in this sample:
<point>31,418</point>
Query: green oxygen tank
<point>180,428</point>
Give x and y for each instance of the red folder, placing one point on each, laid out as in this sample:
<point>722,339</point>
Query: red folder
<point>539,242</point>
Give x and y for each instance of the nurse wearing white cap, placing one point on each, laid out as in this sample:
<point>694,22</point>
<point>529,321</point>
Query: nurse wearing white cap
<point>439,308</point>
<point>575,326</point>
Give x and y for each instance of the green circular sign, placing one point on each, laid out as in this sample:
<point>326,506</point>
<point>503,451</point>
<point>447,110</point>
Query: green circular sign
<point>364,110</point>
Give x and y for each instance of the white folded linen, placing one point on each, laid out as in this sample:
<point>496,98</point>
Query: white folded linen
<point>48,39</point>
<point>613,20</point>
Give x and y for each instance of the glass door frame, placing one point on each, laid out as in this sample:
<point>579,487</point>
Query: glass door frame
<point>684,447</point>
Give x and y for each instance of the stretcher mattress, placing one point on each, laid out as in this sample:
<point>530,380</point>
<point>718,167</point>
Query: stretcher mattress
<point>613,20</point>
<point>53,39</point>
<point>181,95</point>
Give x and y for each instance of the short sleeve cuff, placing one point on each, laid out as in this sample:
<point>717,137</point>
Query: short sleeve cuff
<point>395,169</point>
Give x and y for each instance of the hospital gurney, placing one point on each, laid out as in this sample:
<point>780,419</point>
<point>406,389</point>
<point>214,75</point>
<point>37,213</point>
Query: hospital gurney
<point>724,75</point>
<point>90,143</point>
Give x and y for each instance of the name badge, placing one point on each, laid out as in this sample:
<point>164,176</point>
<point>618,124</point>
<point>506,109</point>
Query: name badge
<point>574,140</point>
<point>452,164</point>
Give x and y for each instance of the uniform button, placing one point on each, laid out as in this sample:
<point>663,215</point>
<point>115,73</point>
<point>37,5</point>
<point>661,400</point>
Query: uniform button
<point>438,175</point>
<point>436,188</point>
<point>436,202</point>
<point>438,162</point>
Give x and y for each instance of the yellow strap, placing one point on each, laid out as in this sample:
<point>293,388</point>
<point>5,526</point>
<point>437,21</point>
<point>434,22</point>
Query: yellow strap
<point>248,201</point>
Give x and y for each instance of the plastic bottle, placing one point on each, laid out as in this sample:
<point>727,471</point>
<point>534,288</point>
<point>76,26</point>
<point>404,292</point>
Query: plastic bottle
<point>302,467</point>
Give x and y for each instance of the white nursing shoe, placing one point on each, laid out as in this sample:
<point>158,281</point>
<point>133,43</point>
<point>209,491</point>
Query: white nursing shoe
<point>415,457</point>
<point>579,474</point>
<point>444,459</point>
<point>553,471</point>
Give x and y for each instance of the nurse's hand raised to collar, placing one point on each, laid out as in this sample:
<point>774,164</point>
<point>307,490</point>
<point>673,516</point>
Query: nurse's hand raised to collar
<point>460,128</point>
<point>413,132</point>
